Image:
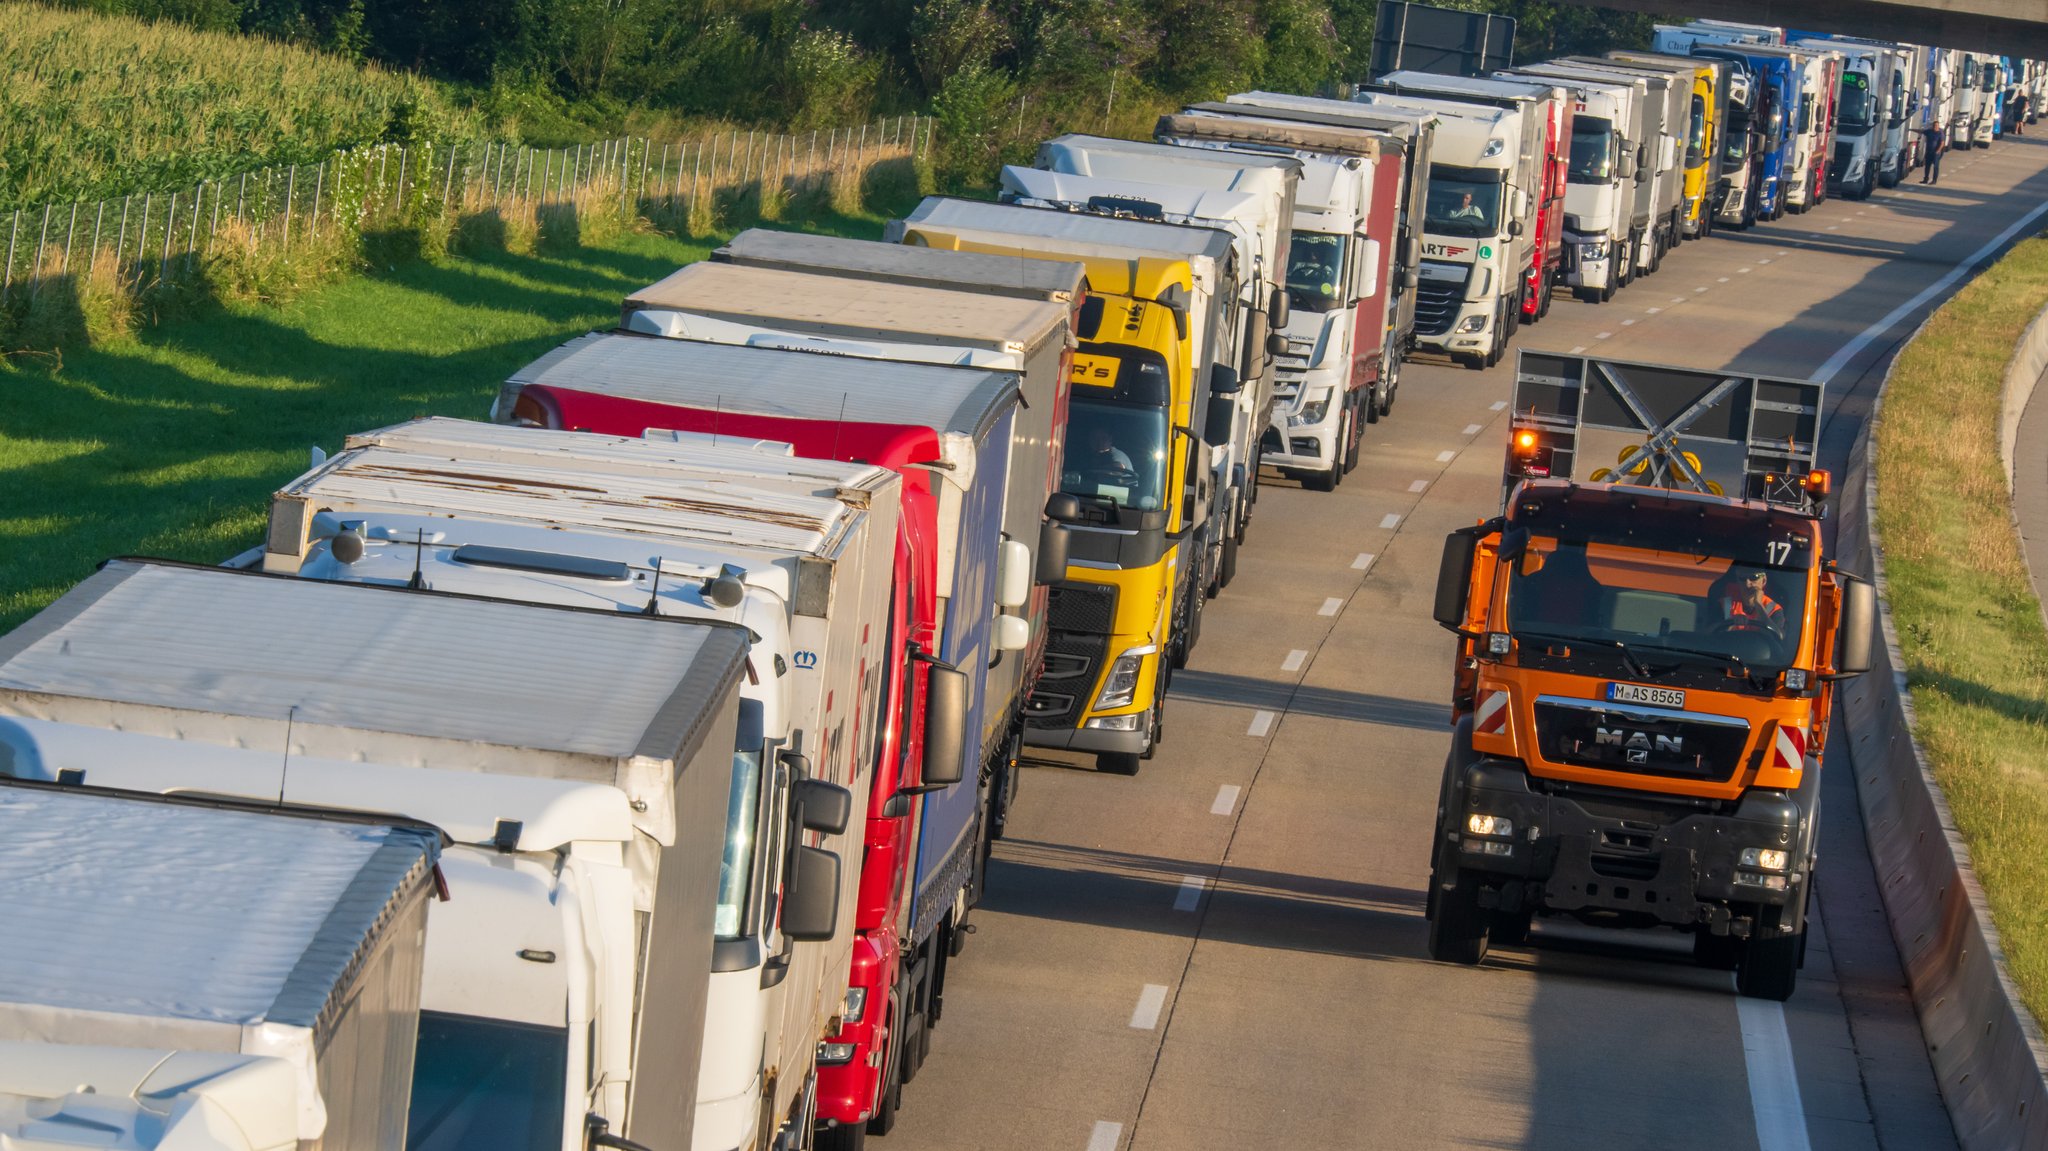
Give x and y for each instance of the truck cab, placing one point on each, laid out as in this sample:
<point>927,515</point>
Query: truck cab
<point>1815,78</point>
<point>1701,142</point>
<point>1666,96</point>
<point>1867,121</point>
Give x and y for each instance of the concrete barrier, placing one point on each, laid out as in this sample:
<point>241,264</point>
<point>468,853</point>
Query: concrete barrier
<point>2029,360</point>
<point>1988,1054</point>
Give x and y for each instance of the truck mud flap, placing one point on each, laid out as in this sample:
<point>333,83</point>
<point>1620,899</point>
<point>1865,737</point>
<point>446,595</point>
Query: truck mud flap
<point>1663,885</point>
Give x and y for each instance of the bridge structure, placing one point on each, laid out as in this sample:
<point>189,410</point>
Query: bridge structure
<point>2007,27</point>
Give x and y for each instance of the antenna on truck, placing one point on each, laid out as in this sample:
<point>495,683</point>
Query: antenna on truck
<point>654,593</point>
<point>419,546</point>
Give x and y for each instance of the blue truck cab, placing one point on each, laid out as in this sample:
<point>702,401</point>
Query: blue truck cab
<point>1775,98</point>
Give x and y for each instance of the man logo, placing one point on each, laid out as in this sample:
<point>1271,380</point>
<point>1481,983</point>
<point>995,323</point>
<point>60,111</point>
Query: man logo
<point>1637,745</point>
<point>806,660</point>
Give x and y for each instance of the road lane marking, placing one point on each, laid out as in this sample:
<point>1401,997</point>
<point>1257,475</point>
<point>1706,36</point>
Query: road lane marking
<point>1722,280</point>
<point>1681,299</point>
<point>1445,457</point>
<point>1262,722</point>
<point>1190,893</point>
<point>1773,1082</point>
<point>1150,1000</point>
<point>1628,323</point>
<point>1498,405</point>
<point>1603,335</point>
<point>1226,800</point>
<point>1869,335</point>
<point>1763,261</point>
<point>1742,271</point>
<point>1390,521</point>
<point>1575,351</point>
<point>1331,606</point>
<point>1471,429</point>
<point>1363,562</point>
<point>1419,486</point>
<point>1293,662</point>
<point>1651,311</point>
<point>1699,289</point>
<point>1106,1136</point>
<point>1782,252</point>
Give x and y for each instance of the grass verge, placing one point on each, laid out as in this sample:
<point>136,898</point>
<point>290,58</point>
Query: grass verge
<point>169,442</point>
<point>1969,626</point>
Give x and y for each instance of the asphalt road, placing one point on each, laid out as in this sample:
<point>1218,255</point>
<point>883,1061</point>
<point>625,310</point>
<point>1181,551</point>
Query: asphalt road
<point>1228,950</point>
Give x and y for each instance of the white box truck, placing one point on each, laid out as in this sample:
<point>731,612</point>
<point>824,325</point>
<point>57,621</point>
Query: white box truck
<point>581,761</point>
<point>1599,204</point>
<point>194,975</point>
<point>1666,93</point>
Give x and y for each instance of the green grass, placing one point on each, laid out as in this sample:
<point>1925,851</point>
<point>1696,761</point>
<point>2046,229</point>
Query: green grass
<point>169,443</point>
<point>1968,622</point>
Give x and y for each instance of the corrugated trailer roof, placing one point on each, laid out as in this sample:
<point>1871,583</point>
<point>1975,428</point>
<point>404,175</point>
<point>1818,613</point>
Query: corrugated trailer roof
<point>859,309</point>
<point>1248,126</point>
<point>458,468</point>
<point>1178,199</point>
<point>140,921</point>
<point>960,401</point>
<point>349,671</point>
<point>1109,235</point>
<point>1060,280</point>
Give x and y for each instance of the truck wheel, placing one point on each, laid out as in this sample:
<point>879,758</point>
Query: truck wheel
<point>1587,295</point>
<point>1770,959</point>
<point>1716,952</point>
<point>844,1137</point>
<point>1511,928</point>
<point>1459,929</point>
<point>1543,301</point>
<point>889,1100</point>
<point>1226,569</point>
<point>1328,481</point>
<point>1347,448</point>
<point>1117,762</point>
<point>1390,381</point>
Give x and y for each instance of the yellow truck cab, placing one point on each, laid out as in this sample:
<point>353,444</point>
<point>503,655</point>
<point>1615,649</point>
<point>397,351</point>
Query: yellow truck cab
<point>1703,150</point>
<point>1135,477</point>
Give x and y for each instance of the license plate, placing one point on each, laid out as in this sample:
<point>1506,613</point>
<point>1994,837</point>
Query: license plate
<point>1654,696</point>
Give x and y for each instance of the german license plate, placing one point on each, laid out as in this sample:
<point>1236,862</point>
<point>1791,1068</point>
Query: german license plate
<point>1654,696</point>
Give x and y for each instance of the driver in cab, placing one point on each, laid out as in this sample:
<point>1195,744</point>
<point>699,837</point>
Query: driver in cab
<point>1466,209</point>
<point>1103,456</point>
<point>1746,604</point>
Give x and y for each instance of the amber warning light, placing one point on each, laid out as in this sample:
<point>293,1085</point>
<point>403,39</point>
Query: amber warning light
<point>1530,457</point>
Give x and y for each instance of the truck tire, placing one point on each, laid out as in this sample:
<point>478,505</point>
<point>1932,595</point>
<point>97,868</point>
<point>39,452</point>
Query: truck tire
<point>1511,928</point>
<point>1226,569</point>
<point>1770,959</point>
<point>1549,287</point>
<point>843,1137</point>
<point>890,1099</point>
<point>1117,762</point>
<point>1347,448</point>
<point>1587,295</point>
<point>1328,481</point>
<point>1458,931</point>
<point>1390,381</point>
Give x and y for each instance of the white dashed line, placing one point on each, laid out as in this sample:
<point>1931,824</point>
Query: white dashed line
<point>1262,722</point>
<point>1471,429</point>
<point>1190,893</point>
<point>1106,1136</point>
<point>1150,1000</point>
<point>1331,606</point>
<point>1576,350</point>
<point>1651,311</point>
<point>1445,457</point>
<point>1784,253</point>
<point>1698,290</point>
<point>1390,521</point>
<point>1498,405</point>
<point>1293,662</point>
<point>1628,323</point>
<point>1832,227</point>
<point>1226,800</point>
<point>1722,280</point>
<point>1363,562</point>
<point>1763,261</point>
<point>1603,335</point>
<point>1681,299</point>
<point>1743,271</point>
<point>1419,486</point>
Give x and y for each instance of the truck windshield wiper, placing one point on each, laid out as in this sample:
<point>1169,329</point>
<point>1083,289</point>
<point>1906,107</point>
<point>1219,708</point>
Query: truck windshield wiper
<point>1629,659</point>
<point>1724,659</point>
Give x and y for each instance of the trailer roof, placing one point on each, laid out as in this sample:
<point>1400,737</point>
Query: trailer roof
<point>612,484</point>
<point>1444,108</point>
<point>1172,152</point>
<point>354,671</point>
<point>772,382</point>
<point>1249,126</point>
<point>903,264</point>
<point>1491,89</point>
<point>1404,122</point>
<point>1182,241</point>
<point>186,919</point>
<point>1173,199</point>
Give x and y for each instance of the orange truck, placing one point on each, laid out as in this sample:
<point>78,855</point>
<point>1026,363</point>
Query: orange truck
<point>1649,635</point>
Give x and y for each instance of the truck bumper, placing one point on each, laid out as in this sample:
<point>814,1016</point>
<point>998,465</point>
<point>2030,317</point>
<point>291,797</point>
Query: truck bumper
<point>1667,863</point>
<point>848,1087</point>
<point>1470,334</point>
<point>1093,739</point>
<point>1294,447</point>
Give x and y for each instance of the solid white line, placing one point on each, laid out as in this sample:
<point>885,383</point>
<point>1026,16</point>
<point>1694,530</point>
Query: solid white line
<point>1331,606</point>
<point>1363,562</point>
<point>1870,334</point>
<point>1226,800</point>
<point>1575,351</point>
<point>1446,457</point>
<point>1190,893</point>
<point>1262,722</point>
<point>1107,1135</point>
<point>1418,486</point>
<point>1390,521</point>
<point>1150,1000</point>
<point>1293,662</point>
<point>1773,1082</point>
<point>1471,429</point>
<point>1498,405</point>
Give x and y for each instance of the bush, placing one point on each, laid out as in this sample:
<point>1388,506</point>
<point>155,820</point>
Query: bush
<point>971,109</point>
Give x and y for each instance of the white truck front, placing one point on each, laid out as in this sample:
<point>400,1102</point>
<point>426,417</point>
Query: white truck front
<point>582,761</point>
<point>1858,162</point>
<point>1598,195</point>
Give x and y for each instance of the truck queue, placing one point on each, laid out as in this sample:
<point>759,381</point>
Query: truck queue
<point>632,761</point>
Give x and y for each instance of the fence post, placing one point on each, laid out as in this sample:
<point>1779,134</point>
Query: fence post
<point>291,184</point>
<point>448,181</point>
<point>192,232</point>
<point>398,197</point>
<point>42,239</point>
<point>383,158</point>
<point>860,156</point>
<point>498,181</point>
<point>212,224</point>
<point>241,194</point>
<point>142,232</point>
<point>121,242</point>
<point>696,174</point>
<point>262,202</point>
<point>319,185</point>
<point>163,259</point>
<point>662,184</point>
<point>99,217</point>
<point>70,233</point>
<point>7,278</point>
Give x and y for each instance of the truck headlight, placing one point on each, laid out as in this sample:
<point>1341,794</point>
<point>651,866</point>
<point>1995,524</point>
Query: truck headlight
<point>854,1007</point>
<point>1595,250</point>
<point>1763,858</point>
<point>1795,679</point>
<point>1471,323</point>
<point>1120,686</point>
<point>1494,825</point>
<point>1116,722</point>
<point>834,1054</point>
<point>1311,412</point>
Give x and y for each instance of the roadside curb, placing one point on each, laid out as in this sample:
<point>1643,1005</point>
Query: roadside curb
<point>2029,360</point>
<point>1988,1054</point>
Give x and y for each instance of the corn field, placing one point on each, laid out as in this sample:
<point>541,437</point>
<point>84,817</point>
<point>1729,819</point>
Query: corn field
<point>354,192</point>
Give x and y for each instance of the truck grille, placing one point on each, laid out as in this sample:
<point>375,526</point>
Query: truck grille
<point>1436,305</point>
<point>1289,369</point>
<point>1080,617</point>
<point>1582,733</point>
<point>1840,164</point>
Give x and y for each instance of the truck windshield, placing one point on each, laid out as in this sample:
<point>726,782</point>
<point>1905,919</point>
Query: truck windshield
<point>742,817</point>
<point>1592,150</point>
<point>1463,201</point>
<point>1117,452</point>
<point>1735,141</point>
<point>486,1085</point>
<point>1858,106</point>
<point>1662,603</point>
<point>1696,135</point>
<point>1315,271</point>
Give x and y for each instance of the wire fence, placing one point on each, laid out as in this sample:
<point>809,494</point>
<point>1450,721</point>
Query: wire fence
<point>154,236</point>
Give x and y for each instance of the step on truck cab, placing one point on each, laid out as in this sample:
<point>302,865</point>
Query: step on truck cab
<point>1700,144</point>
<point>580,761</point>
<point>1144,534</point>
<point>1599,199</point>
<point>1649,635</point>
<point>149,1006</point>
<point>947,431</point>
<point>1547,129</point>
<point>1351,311</point>
<point>800,552</point>
<point>1667,96</point>
<point>1479,226</point>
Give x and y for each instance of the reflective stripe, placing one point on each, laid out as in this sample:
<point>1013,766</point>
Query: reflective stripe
<point>1492,715</point>
<point>1789,748</point>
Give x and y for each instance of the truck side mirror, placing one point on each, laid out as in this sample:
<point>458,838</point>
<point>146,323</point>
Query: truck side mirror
<point>810,896</point>
<point>1627,168</point>
<point>1411,252</point>
<point>826,807</point>
<point>945,725</point>
<point>1278,308</point>
<point>1276,343</point>
<point>1857,630</point>
<point>1454,578</point>
<point>1514,227</point>
<point>1013,574</point>
<point>1224,380</point>
<point>1642,156</point>
<point>1217,420</point>
<point>1053,551</point>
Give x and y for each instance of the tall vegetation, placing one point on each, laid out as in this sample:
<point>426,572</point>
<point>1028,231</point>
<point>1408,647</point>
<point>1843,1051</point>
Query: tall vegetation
<point>99,106</point>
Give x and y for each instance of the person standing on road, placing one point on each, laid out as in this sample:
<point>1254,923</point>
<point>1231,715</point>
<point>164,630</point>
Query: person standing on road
<point>1937,142</point>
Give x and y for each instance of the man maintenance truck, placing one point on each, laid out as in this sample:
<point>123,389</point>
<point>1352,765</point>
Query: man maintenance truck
<point>1649,635</point>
